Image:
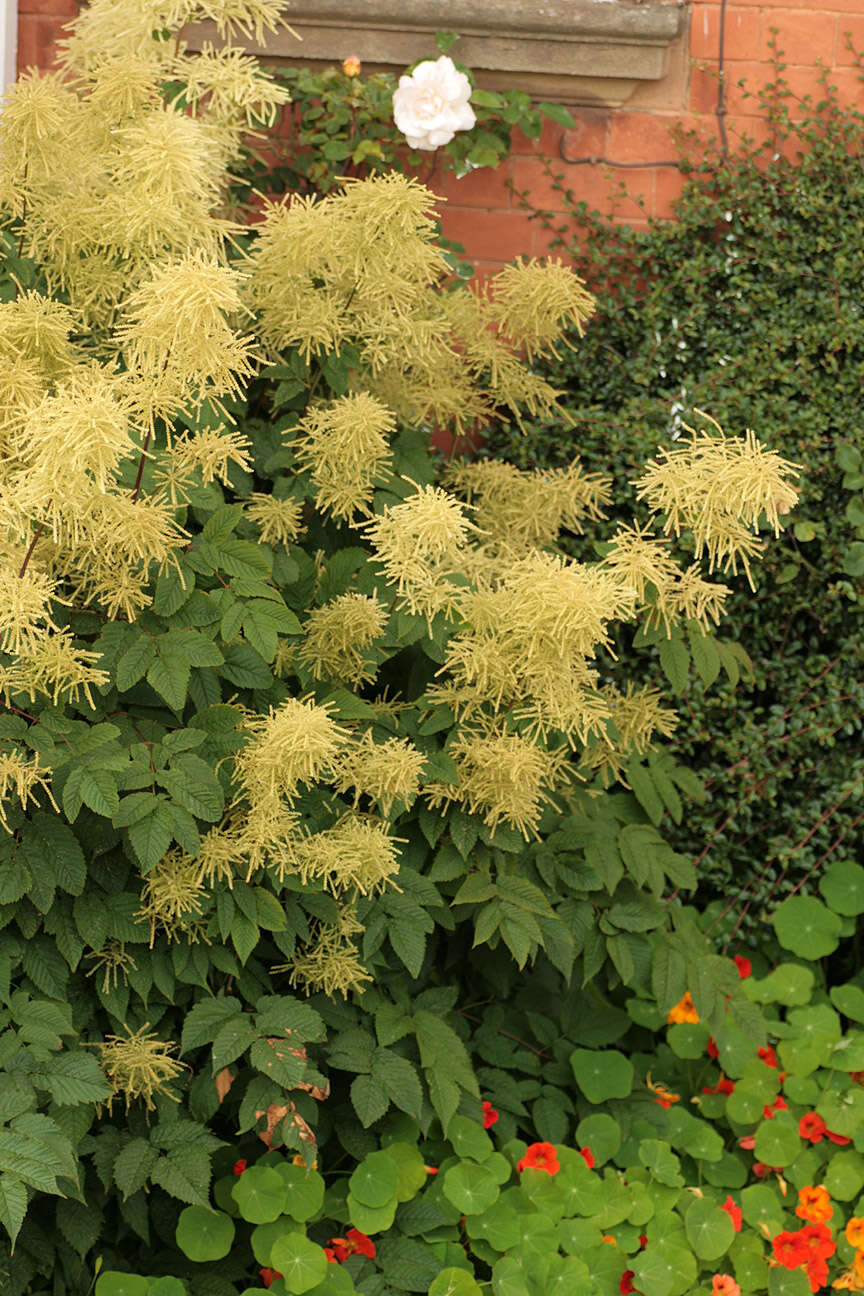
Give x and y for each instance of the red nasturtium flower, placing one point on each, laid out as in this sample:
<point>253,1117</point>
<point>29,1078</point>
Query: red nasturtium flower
<point>711,1049</point>
<point>354,1243</point>
<point>269,1276</point>
<point>779,1104</point>
<point>540,1156</point>
<point>724,1285</point>
<point>626,1284</point>
<point>790,1250</point>
<point>588,1157</point>
<point>734,1213</point>
<point>811,1126</point>
<point>239,1167</point>
<point>768,1056</point>
<point>748,1142</point>
<point>490,1115</point>
<point>840,1139</point>
<point>814,1205</point>
<point>744,966</point>
<point>723,1086</point>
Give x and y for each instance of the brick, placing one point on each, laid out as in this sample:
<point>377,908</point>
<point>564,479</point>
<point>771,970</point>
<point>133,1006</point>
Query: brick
<point>49,8</point>
<point>825,6</point>
<point>639,137</point>
<point>530,174</point>
<point>741,33</point>
<point>668,183</point>
<point>546,240</point>
<point>488,235</point>
<point>703,89</point>
<point>850,87</point>
<point>487,187</point>
<point>803,37</point>
<point>37,41</point>
<point>548,142</point>
<point>848,29</point>
<point>615,192</point>
<point>742,93</point>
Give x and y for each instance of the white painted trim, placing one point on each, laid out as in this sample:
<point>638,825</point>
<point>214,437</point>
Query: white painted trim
<point>8,41</point>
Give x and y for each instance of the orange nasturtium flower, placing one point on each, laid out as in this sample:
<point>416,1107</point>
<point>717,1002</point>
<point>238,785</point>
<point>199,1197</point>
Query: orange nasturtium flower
<point>683,1011</point>
<point>665,1097</point>
<point>814,1205</point>
<point>540,1156</point>
<point>855,1231</point>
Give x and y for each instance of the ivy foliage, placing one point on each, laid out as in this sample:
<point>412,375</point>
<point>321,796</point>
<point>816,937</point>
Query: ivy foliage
<point>747,305</point>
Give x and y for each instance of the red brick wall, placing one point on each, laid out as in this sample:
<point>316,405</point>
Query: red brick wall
<point>482,211</point>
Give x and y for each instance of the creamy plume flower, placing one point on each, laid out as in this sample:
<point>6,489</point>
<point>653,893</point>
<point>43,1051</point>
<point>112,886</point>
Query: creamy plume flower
<point>339,637</point>
<point>432,103</point>
<point>533,303</point>
<point>296,743</point>
<point>357,855</point>
<point>278,520</point>
<point>386,772</point>
<point>504,777</point>
<point>345,447</point>
<point>20,776</point>
<point>330,961</point>
<point>139,1065</point>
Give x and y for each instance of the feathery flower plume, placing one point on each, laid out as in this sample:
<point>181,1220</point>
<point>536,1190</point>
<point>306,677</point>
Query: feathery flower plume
<point>172,895</point>
<point>330,962</point>
<point>138,1065</point>
<point>20,775</point>
<point>278,520</point>
<point>339,638</point>
<point>421,545</point>
<point>387,772</point>
<point>503,776</point>
<point>358,855</point>
<point>297,743</point>
<point>345,448</point>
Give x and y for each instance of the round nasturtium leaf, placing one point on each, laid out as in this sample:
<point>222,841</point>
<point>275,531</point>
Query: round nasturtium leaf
<point>167,1287</point>
<point>204,1234</point>
<point>842,887</point>
<point>602,1073</point>
<point>375,1180</point>
<point>304,1190</point>
<point>659,1158</point>
<point>454,1282</point>
<point>688,1040</point>
<point>664,1269</point>
<point>849,1000</point>
<point>790,984</point>
<point>260,1194</point>
<point>709,1229</point>
<point>777,1141</point>
<point>302,1264</point>
<point>470,1188</point>
<point>788,1282</point>
<point>582,1191</point>
<point>730,1171</point>
<point>264,1235</point>
<point>600,1133</point>
<point>469,1139</point>
<point>411,1169</point>
<point>371,1219</point>
<point>844,1176</point>
<point>501,1226</point>
<point>111,1283</point>
<point>807,927</point>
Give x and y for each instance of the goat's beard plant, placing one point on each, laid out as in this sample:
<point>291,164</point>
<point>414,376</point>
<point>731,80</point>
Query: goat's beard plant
<point>256,661</point>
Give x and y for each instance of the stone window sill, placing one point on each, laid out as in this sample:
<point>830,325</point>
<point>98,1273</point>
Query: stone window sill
<point>595,52</point>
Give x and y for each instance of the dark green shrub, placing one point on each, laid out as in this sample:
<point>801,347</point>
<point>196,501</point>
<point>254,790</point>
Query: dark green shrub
<point>748,305</point>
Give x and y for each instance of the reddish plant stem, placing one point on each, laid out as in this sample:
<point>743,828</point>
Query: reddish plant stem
<point>29,554</point>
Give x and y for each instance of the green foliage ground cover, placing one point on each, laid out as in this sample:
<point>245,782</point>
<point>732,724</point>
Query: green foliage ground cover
<point>748,305</point>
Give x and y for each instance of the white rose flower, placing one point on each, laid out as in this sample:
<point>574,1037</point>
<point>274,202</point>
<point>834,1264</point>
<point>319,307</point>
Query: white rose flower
<point>431,104</point>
